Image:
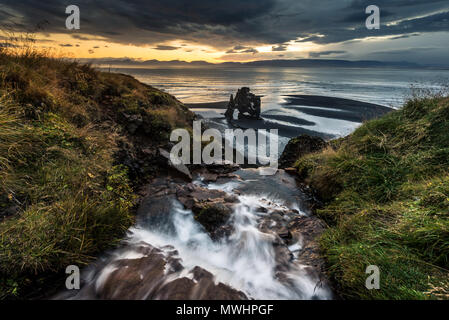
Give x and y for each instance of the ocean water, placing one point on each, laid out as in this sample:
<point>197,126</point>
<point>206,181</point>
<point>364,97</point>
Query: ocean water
<point>386,87</point>
<point>380,86</point>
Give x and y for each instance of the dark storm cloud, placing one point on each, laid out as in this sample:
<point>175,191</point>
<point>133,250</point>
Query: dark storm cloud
<point>432,23</point>
<point>222,23</point>
<point>84,37</point>
<point>281,47</point>
<point>166,48</point>
<point>4,14</point>
<point>149,21</point>
<point>237,49</point>
<point>242,49</point>
<point>250,50</point>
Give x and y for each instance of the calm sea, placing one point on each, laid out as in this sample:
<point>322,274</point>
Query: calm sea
<point>380,86</point>
<point>388,87</point>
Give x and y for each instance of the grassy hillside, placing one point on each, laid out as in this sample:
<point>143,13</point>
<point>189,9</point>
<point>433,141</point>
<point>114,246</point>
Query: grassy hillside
<point>386,199</point>
<point>75,144</point>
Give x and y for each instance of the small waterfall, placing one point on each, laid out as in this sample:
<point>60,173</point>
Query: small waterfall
<point>251,260</point>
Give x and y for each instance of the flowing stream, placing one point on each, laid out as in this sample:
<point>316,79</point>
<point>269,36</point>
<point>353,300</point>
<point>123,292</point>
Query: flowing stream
<point>169,255</point>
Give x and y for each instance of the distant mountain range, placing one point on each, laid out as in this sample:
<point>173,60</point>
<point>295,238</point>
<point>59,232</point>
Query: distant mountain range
<point>300,63</point>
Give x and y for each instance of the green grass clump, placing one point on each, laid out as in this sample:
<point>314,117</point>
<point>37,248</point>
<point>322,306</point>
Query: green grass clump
<point>71,201</point>
<point>65,195</point>
<point>386,198</point>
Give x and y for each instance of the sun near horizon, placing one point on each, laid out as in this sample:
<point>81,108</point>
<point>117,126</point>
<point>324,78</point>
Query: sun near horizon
<point>84,46</point>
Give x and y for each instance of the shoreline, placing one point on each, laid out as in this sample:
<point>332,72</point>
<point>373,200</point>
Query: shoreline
<point>299,114</point>
<point>315,105</point>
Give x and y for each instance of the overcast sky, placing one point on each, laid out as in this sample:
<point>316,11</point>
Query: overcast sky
<point>241,30</point>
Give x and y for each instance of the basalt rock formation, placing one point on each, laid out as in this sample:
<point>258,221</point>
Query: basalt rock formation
<point>247,103</point>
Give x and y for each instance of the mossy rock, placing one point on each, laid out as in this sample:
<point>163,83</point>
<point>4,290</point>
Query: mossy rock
<point>212,216</point>
<point>299,147</point>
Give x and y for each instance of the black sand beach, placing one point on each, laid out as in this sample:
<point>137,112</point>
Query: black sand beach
<point>298,115</point>
<point>353,110</point>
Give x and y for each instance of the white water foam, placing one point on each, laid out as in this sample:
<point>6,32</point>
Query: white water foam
<point>245,261</point>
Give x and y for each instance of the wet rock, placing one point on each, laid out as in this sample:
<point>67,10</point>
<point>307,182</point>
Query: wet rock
<point>133,279</point>
<point>153,273</point>
<point>310,226</point>
<point>274,224</point>
<point>155,211</point>
<point>237,192</point>
<point>209,177</point>
<point>262,210</point>
<point>211,208</point>
<point>280,212</point>
<point>188,202</point>
<point>221,168</point>
<point>308,229</point>
<point>231,198</point>
<point>181,168</point>
<point>156,204</point>
<point>215,171</point>
<point>288,239</point>
<point>284,233</point>
<point>283,258</point>
<point>201,287</point>
<point>203,194</point>
<point>212,216</point>
<point>299,147</point>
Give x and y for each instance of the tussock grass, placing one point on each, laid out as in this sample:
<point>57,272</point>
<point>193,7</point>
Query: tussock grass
<point>71,201</point>
<point>386,193</point>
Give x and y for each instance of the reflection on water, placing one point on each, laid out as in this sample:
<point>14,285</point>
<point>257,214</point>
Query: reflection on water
<point>380,86</point>
<point>290,116</point>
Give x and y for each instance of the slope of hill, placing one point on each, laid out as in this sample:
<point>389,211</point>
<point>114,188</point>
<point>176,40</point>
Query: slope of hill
<point>282,63</point>
<point>75,145</point>
<point>385,190</point>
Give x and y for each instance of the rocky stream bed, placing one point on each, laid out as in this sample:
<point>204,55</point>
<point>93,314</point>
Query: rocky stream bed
<point>229,233</point>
